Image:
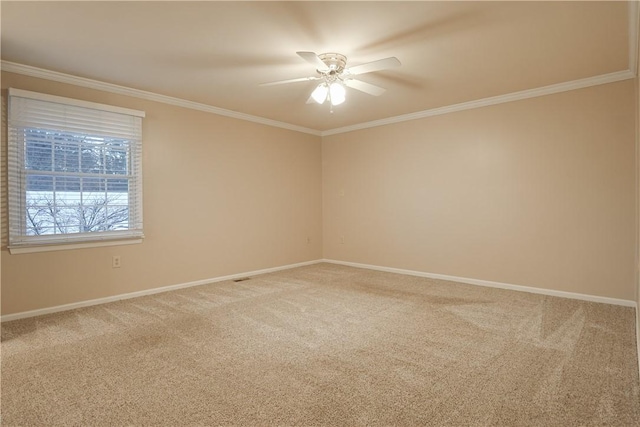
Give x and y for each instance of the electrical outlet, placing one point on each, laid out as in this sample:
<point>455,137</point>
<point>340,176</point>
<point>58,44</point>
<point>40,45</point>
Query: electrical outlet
<point>115,261</point>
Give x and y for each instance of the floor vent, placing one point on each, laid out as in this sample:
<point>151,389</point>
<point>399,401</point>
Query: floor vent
<point>242,279</point>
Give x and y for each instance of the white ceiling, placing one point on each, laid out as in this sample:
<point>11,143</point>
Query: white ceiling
<point>217,53</point>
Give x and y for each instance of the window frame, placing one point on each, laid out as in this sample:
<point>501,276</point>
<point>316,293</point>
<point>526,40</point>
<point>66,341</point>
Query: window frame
<point>19,240</point>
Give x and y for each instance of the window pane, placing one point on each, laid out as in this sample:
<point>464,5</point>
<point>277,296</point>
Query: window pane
<point>67,219</point>
<point>38,151</point>
<point>66,183</point>
<point>118,186</point>
<point>39,183</point>
<point>40,206</point>
<point>93,213</point>
<point>72,169</point>
<point>100,214</point>
<point>39,213</point>
<point>66,155</point>
<point>91,158</point>
<point>70,204</point>
<point>90,185</point>
<point>118,217</point>
<point>115,161</point>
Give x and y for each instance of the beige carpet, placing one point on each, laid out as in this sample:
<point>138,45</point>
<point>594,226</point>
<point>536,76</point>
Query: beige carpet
<point>325,345</point>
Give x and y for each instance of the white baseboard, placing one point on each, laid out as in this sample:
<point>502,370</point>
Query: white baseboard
<point>551,292</point>
<point>87,303</point>
<point>66,307</point>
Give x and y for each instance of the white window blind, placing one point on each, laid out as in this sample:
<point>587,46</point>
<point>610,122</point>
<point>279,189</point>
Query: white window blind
<point>74,171</point>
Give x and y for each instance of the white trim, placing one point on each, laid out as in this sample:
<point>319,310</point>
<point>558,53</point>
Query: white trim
<point>494,100</point>
<point>16,250</point>
<point>500,99</point>
<point>487,283</point>
<point>55,76</point>
<point>20,93</point>
<point>634,18</point>
<point>88,303</point>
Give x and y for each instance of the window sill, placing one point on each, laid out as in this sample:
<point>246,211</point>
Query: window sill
<point>67,246</point>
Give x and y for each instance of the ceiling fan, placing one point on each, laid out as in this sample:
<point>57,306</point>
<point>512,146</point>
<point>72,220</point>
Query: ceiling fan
<point>334,76</point>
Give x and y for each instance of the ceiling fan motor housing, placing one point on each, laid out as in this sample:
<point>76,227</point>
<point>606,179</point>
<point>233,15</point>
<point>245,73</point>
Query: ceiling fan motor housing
<point>334,61</point>
<point>334,76</point>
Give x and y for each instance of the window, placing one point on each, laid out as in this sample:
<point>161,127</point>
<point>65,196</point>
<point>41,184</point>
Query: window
<point>74,173</point>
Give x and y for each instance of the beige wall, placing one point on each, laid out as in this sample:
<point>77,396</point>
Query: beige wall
<point>221,196</point>
<point>637,116</point>
<point>539,192</point>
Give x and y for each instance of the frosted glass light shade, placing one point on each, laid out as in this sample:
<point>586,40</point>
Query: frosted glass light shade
<point>337,93</point>
<point>320,93</point>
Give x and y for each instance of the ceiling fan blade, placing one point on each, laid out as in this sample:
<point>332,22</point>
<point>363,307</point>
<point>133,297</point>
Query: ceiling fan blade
<point>380,64</point>
<point>365,87</point>
<point>313,59</point>
<point>281,82</point>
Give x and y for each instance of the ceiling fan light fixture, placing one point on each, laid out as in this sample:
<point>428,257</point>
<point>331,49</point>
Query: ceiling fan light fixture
<point>335,77</point>
<point>337,93</point>
<point>320,93</point>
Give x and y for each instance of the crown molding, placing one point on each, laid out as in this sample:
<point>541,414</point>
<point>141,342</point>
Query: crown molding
<point>27,70</point>
<point>55,76</point>
<point>494,100</point>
